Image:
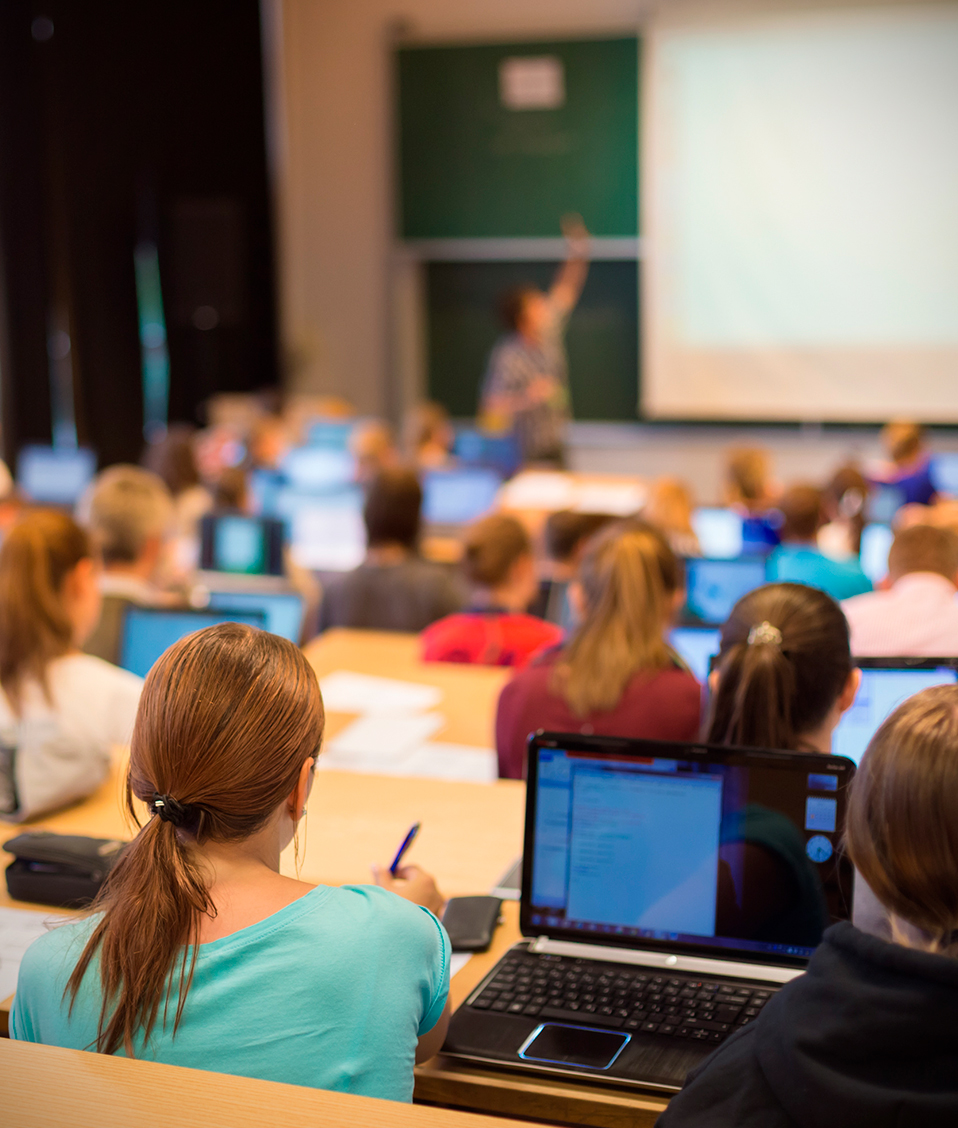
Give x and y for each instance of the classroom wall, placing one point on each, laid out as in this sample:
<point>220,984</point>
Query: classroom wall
<point>346,304</point>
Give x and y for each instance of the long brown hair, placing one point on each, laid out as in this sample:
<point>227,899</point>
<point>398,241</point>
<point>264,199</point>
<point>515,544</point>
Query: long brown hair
<point>41,549</point>
<point>901,827</point>
<point>629,575</point>
<point>491,547</point>
<point>227,718</point>
<point>783,660</point>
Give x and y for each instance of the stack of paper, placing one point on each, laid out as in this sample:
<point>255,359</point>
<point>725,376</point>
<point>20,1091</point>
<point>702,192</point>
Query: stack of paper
<point>391,735</point>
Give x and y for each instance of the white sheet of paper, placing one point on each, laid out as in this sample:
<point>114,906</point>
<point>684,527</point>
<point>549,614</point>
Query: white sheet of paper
<point>18,929</point>
<point>345,691</point>
<point>539,489</point>
<point>621,499</point>
<point>380,744</point>
<point>458,762</point>
<point>457,961</point>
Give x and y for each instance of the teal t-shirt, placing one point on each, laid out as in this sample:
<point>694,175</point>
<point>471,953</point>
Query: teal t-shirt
<point>797,564</point>
<point>332,992</point>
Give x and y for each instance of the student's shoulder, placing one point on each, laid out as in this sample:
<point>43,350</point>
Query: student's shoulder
<point>49,960</point>
<point>378,910</point>
<point>88,670</point>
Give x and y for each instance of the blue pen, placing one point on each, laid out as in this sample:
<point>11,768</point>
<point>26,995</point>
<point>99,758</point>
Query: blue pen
<point>406,843</point>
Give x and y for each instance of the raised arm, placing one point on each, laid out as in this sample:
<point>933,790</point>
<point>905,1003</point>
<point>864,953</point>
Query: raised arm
<point>571,276</point>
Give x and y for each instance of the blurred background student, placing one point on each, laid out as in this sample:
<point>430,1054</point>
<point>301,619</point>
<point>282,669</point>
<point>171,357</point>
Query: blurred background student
<point>844,502</point>
<point>565,535</point>
<point>908,467</point>
<point>669,509</point>
<point>129,515</point>
<point>495,629</point>
<point>64,710</point>
<point>526,387</point>
<point>428,436</point>
<point>798,559</point>
<point>867,1035</point>
<point>918,614</point>
<point>748,481</point>
<point>617,675</point>
<point>784,674</point>
<point>393,589</point>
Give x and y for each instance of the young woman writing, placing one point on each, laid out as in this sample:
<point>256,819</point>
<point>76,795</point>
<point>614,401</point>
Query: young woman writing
<point>199,951</point>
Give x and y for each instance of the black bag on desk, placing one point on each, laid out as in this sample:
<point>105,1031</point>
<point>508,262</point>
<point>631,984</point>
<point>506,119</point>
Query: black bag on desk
<point>59,869</point>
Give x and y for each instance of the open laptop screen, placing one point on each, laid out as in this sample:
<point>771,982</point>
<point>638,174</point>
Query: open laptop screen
<point>713,587</point>
<point>696,646</point>
<point>283,609</point>
<point>685,848</point>
<point>55,475</point>
<point>459,496</point>
<point>148,631</point>
<point>241,544</point>
<point>886,683</point>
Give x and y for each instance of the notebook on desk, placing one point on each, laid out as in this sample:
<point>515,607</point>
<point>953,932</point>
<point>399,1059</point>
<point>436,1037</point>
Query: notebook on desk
<point>668,890</point>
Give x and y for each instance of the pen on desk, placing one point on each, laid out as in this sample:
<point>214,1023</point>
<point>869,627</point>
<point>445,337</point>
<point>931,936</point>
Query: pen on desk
<point>406,843</point>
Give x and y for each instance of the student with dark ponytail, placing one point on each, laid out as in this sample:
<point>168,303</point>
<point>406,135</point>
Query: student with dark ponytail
<point>784,674</point>
<point>868,1035</point>
<point>199,951</point>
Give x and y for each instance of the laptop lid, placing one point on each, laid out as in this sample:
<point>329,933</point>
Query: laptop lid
<point>55,475</point>
<point>696,646</point>
<point>684,849</point>
<point>886,683</point>
<point>241,544</point>
<point>713,587</point>
<point>148,631</point>
<point>460,496</point>
<point>282,610</point>
<point>719,532</point>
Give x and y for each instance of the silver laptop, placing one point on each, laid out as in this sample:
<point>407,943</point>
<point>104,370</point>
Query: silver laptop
<point>668,891</point>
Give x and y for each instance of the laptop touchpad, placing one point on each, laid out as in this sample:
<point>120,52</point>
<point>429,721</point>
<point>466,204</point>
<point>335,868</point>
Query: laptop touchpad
<point>573,1045</point>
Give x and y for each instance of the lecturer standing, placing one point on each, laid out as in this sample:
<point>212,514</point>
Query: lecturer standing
<point>526,386</point>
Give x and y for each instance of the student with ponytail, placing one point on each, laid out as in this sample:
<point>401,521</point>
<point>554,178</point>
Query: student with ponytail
<point>868,1035</point>
<point>617,675</point>
<point>61,711</point>
<point>784,674</point>
<point>198,951</point>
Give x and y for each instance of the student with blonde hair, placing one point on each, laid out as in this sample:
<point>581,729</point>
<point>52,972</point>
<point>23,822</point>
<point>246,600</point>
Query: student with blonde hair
<point>198,951</point>
<point>61,710</point>
<point>617,675</point>
<point>868,1035</point>
<point>669,509</point>
<point>495,630</point>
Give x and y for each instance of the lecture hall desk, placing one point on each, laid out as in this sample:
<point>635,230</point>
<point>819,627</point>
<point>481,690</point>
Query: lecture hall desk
<point>353,820</point>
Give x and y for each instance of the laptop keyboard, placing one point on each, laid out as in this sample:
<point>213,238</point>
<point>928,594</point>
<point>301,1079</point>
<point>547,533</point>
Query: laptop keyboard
<point>620,997</point>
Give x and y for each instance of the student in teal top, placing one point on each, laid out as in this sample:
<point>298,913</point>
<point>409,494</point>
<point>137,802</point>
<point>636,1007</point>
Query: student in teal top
<point>198,951</point>
<point>798,560</point>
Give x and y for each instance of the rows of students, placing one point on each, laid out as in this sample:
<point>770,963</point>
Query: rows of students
<point>197,935</point>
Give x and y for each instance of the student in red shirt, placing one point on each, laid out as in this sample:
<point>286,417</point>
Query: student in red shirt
<point>495,630</point>
<point>617,675</point>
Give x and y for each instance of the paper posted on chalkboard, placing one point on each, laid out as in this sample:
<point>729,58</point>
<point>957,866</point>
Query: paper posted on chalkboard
<point>532,82</point>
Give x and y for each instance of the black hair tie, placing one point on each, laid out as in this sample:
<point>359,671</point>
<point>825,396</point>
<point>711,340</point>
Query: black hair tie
<point>170,810</point>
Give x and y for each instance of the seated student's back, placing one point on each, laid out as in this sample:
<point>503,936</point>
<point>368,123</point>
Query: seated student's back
<point>198,951</point>
<point>617,675</point>
<point>494,630</point>
<point>868,1035</point>
<point>798,559</point>
<point>393,589</point>
<point>66,709</point>
<point>918,615</point>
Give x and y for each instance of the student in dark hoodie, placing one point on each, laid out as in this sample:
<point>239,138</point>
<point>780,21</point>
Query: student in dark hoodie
<point>868,1035</point>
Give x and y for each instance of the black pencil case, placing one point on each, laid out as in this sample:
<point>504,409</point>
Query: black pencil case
<point>65,870</point>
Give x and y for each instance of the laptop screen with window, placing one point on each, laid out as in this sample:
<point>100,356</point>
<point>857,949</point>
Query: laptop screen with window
<point>713,587</point>
<point>148,631</point>
<point>727,851</point>
<point>883,688</point>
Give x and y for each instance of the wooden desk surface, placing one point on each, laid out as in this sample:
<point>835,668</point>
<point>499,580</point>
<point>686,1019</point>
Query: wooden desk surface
<point>47,1087</point>
<point>469,693</point>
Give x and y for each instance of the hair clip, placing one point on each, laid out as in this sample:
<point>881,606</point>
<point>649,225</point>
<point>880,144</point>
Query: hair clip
<point>764,634</point>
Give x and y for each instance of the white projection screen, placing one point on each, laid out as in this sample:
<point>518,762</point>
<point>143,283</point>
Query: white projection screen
<point>800,213</point>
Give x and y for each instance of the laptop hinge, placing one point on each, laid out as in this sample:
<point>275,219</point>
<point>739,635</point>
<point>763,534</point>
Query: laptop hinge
<point>698,965</point>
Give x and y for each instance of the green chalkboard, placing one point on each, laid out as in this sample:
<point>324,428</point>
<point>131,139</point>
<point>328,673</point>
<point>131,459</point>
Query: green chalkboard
<point>602,338</point>
<point>470,167</point>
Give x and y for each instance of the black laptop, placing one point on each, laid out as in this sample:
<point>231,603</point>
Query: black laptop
<point>668,890</point>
